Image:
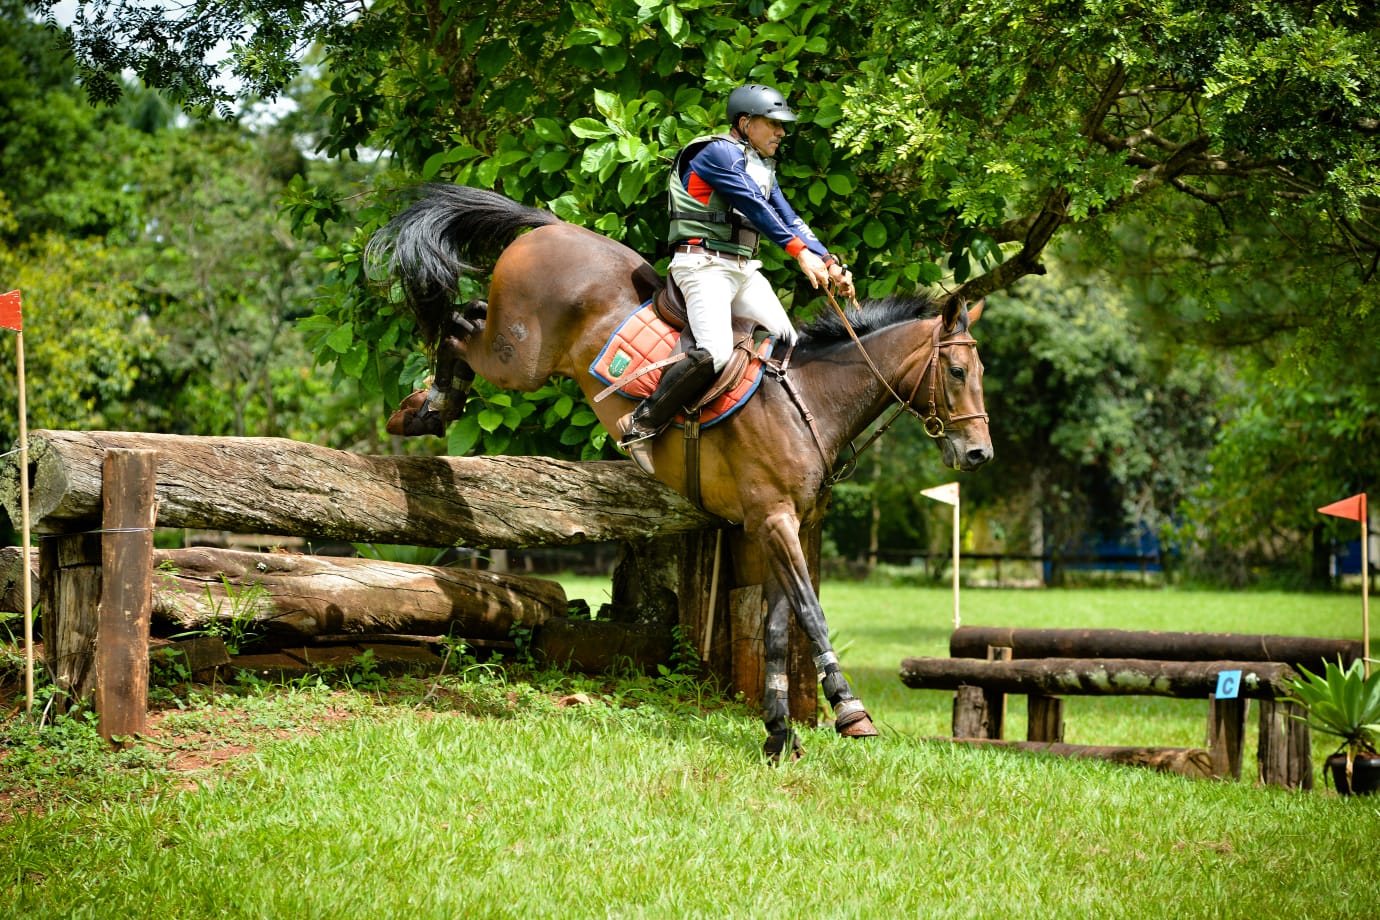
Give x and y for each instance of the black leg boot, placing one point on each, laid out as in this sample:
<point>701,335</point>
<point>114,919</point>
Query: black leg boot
<point>681,383</point>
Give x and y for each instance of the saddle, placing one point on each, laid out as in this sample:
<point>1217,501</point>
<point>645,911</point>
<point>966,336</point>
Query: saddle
<point>658,335</point>
<point>669,304</point>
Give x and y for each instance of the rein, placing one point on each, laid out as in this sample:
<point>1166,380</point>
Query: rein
<point>932,423</point>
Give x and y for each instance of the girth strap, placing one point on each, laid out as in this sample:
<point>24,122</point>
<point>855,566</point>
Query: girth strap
<point>692,456</point>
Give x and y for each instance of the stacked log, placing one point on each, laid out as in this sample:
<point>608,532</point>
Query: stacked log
<point>291,599</point>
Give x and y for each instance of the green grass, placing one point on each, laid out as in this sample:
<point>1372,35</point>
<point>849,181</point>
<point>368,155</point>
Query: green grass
<point>488,799</point>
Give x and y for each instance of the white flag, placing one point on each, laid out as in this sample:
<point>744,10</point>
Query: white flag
<point>947,493</point>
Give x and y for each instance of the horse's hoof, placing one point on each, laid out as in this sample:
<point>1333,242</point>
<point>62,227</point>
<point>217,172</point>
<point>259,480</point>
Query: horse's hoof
<point>776,745</point>
<point>412,418</point>
<point>852,721</point>
<point>408,424</point>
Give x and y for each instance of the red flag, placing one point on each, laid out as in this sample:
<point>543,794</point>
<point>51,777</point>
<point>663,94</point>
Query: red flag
<point>1353,508</point>
<point>10,316</point>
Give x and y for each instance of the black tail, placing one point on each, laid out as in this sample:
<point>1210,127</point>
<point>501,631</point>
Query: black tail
<point>426,246</point>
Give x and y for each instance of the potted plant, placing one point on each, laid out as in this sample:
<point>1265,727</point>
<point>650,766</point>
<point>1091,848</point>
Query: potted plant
<point>1345,703</point>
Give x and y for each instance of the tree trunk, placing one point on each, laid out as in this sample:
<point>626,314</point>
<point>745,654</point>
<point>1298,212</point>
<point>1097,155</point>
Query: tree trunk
<point>284,487</point>
<point>291,598</point>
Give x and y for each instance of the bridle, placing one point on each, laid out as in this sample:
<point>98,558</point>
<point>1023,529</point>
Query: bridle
<point>934,425</point>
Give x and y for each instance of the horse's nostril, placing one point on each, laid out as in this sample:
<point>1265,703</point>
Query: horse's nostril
<point>979,455</point>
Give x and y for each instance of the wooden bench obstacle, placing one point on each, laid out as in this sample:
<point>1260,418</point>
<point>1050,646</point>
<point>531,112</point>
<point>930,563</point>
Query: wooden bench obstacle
<point>1045,665</point>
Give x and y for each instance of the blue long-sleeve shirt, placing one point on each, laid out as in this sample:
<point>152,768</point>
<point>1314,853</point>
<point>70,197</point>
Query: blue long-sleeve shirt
<point>721,166</point>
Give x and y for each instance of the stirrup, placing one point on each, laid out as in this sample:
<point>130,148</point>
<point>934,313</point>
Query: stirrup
<point>630,432</point>
<point>636,442</point>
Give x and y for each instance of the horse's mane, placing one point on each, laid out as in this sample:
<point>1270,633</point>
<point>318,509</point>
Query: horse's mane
<point>870,316</point>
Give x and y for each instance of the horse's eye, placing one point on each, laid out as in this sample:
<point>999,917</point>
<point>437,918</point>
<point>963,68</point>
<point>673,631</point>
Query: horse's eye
<point>958,373</point>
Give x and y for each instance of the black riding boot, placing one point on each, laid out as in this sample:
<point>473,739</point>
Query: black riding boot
<point>681,383</point>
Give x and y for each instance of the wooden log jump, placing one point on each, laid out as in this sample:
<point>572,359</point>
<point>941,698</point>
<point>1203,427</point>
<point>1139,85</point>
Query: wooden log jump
<point>289,488</point>
<point>979,685</point>
<point>665,575</point>
<point>1095,676</point>
<point>1192,762</point>
<point>1311,652</point>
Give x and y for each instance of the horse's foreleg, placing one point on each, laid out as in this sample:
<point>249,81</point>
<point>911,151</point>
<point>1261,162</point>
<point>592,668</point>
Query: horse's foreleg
<point>782,540</point>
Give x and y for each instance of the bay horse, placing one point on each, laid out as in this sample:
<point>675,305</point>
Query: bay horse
<point>556,295</point>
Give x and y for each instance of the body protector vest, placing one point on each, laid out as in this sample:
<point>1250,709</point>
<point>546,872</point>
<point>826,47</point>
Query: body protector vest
<point>716,224</point>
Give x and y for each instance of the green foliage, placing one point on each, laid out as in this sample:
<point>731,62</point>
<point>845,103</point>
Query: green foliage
<point>1342,703</point>
<point>87,338</point>
<point>67,758</point>
<point>1289,445</point>
<point>1020,117</point>
<point>1221,159</point>
<point>1107,431</point>
<point>236,617</point>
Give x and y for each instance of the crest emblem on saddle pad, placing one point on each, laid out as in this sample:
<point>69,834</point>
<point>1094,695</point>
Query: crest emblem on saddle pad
<point>644,338</point>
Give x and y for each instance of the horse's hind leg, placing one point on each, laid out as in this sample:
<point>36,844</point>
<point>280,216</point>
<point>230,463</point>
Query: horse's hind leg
<point>787,559</point>
<point>430,411</point>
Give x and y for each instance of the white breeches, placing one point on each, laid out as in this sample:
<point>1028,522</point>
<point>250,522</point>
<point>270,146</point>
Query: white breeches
<point>718,288</point>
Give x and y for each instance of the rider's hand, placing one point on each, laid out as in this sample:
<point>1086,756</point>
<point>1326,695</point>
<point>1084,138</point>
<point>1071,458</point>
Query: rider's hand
<point>813,267</point>
<point>842,279</point>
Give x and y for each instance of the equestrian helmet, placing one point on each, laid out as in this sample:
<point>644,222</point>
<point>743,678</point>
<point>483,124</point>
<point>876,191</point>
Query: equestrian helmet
<point>756,99</point>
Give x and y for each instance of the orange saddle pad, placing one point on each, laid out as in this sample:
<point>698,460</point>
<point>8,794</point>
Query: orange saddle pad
<point>644,338</point>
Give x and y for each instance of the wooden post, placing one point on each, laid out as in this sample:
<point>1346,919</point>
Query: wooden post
<point>970,713</point>
<point>747,626</point>
<point>1044,718</point>
<point>122,647</point>
<point>1285,748</point>
<point>981,713</point>
<point>69,584</point>
<point>1226,735</point>
<point>996,699</point>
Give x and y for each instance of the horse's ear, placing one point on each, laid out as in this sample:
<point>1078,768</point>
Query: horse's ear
<point>975,311</point>
<point>951,313</point>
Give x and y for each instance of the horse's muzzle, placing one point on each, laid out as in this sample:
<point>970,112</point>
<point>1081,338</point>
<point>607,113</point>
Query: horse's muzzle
<point>964,453</point>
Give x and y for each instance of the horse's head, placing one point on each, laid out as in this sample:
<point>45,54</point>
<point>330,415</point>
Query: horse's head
<point>954,414</point>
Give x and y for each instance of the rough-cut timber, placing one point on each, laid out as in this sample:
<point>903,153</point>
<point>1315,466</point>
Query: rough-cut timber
<point>973,641</point>
<point>11,588</point>
<point>1193,762</point>
<point>122,647</point>
<point>289,488</point>
<point>1094,677</point>
<point>294,597</point>
<point>602,646</point>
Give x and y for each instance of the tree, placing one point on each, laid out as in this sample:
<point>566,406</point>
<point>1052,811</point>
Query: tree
<point>1224,154</point>
<point>1285,451</point>
<point>86,339</point>
<point>1101,432</point>
<point>1021,118</point>
<point>160,279</point>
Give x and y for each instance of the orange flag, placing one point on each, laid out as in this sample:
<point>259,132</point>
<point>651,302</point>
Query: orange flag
<point>10,315</point>
<point>1353,508</point>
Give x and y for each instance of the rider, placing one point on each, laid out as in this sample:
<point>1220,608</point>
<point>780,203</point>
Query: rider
<point>723,198</point>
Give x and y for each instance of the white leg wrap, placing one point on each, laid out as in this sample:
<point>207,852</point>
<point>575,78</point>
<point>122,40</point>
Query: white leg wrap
<point>848,708</point>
